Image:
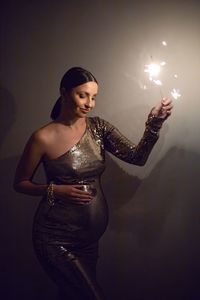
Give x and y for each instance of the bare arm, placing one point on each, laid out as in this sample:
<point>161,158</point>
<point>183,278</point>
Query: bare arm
<point>27,166</point>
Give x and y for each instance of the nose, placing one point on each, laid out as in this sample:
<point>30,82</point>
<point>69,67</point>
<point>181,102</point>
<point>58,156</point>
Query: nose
<point>89,103</point>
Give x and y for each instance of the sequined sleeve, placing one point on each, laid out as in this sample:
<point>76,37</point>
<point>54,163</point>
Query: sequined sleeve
<point>117,144</point>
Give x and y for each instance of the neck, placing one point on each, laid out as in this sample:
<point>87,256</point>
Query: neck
<point>68,119</point>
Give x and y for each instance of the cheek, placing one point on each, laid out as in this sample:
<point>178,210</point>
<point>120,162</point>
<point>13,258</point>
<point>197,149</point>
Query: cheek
<point>77,102</point>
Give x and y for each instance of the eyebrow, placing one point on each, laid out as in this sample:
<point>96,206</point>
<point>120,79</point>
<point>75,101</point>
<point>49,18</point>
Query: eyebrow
<point>87,93</point>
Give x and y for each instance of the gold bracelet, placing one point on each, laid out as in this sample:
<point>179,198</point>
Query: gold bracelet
<point>50,194</point>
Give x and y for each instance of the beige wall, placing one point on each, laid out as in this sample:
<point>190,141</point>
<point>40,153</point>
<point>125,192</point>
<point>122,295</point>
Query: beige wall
<point>151,247</point>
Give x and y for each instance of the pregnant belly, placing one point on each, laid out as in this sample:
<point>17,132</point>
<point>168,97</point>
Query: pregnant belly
<point>71,222</point>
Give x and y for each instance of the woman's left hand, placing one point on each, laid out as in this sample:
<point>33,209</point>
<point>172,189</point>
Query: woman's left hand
<point>163,109</point>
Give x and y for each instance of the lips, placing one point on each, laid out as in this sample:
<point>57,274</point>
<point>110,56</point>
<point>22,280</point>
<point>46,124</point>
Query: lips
<point>84,110</point>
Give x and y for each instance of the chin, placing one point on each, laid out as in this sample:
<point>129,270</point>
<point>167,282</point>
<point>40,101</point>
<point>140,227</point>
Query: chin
<point>81,115</point>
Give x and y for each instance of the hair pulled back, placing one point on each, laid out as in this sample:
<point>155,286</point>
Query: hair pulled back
<point>71,79</point>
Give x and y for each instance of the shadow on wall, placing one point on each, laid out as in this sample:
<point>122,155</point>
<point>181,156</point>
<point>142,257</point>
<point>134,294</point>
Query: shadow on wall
<point>151,248</point>
<point>7,112</point>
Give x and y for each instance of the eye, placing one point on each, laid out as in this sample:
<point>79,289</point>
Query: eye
<point>82,96</point>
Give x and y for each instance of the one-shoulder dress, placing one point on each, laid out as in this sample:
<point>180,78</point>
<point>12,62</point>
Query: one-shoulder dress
<point>66,234</point>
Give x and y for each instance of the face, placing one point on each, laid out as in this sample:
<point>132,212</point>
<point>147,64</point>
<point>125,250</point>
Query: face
<point>82,98</point>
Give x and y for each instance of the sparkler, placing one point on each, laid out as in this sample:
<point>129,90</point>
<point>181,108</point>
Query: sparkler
<point>154,69</point>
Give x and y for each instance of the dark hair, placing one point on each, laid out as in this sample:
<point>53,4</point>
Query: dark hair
<point>72,78</point>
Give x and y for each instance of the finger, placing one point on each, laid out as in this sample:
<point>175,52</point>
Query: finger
<point>81,192</point>
<point>81,196</point>
<point>79,188</point>
<point>168,107</point>
<point>166,114</point>
<point>166,101</point>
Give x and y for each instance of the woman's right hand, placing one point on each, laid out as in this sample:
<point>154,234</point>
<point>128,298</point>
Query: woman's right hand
<point>72,192</point>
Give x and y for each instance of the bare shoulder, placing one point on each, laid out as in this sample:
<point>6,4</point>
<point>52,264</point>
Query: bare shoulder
<point>45,132</point>
<point>44,135</point>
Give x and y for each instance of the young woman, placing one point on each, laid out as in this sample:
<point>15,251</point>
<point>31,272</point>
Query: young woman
<point>72,215</point>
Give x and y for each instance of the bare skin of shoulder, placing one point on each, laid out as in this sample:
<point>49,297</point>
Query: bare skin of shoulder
<point>57,138</point>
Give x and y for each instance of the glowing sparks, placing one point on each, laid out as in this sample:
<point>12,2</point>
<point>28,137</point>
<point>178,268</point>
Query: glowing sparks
<point>153,70</point>
<point>157,82</point>
<point>175,94</point>
<point>163,63</point>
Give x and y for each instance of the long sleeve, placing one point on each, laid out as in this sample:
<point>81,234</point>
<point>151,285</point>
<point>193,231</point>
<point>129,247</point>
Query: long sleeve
<point>117,144</point>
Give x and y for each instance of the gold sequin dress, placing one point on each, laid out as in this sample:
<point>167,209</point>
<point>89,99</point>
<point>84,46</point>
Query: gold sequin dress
<point>66,234</point>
